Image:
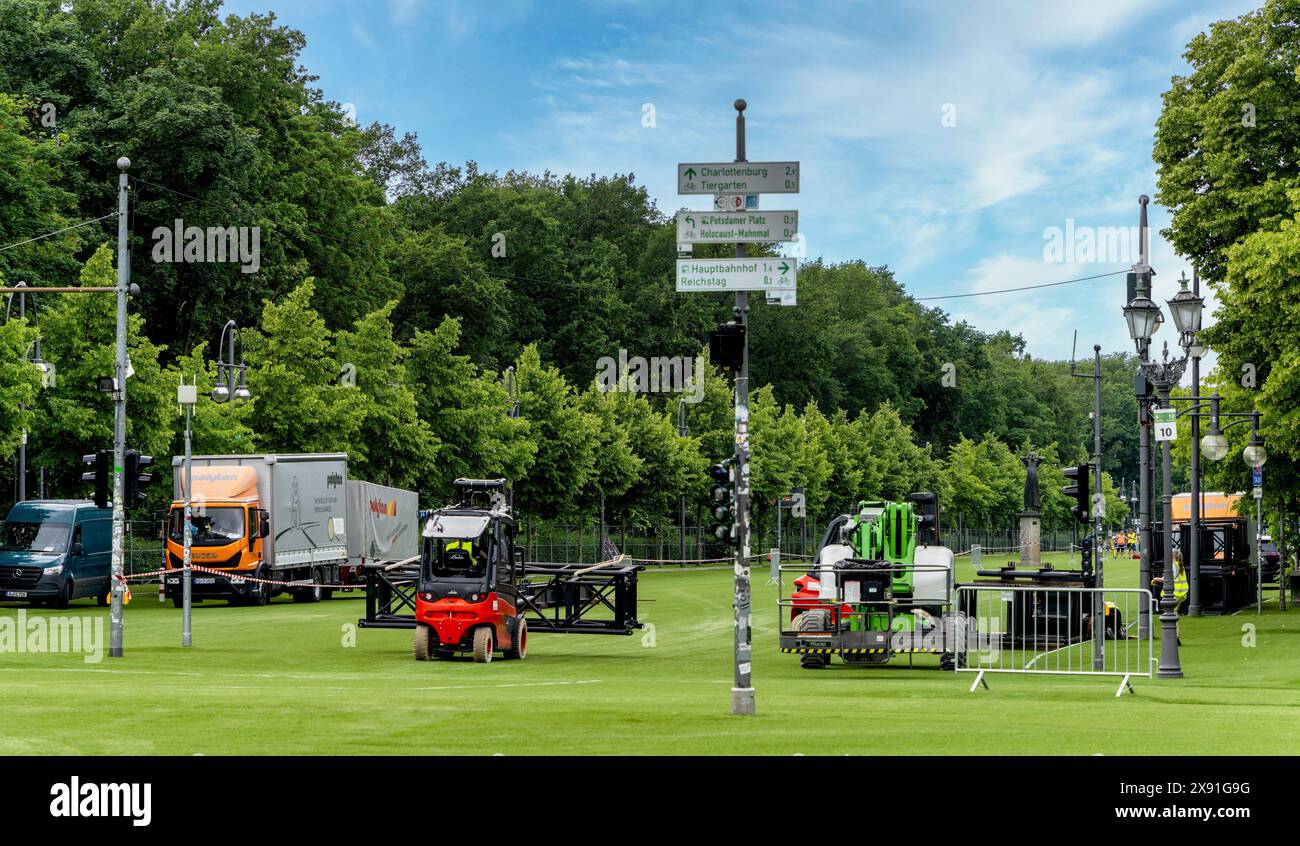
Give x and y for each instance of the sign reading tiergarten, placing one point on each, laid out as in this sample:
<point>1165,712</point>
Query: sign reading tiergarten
<point>738,274</point>
<point>738,178</point>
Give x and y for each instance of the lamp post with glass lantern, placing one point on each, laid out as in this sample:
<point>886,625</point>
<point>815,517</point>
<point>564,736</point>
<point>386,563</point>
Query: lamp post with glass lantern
<point>1186,307</point>
<point>1143,319</point>
<point>1215,446</point>
<point>229,374</point>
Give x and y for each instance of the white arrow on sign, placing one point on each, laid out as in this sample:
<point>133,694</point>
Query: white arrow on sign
<point>738,178</point>
<point>696,227</point>
<point>736,274</point>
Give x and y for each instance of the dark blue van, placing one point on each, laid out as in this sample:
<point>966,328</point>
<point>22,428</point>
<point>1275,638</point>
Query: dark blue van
<point>55,551</point>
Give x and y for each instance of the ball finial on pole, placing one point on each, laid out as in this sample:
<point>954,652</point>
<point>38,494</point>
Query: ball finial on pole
<point>123,163</point>
<point>740,105</point>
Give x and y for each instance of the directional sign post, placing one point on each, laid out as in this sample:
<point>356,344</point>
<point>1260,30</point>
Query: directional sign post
<point>738,274</point>
<point>738,178</point>
<point>736,219</point>
<point>694,227</point>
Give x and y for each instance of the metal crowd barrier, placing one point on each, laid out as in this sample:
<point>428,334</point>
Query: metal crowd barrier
<point>1037,629</point>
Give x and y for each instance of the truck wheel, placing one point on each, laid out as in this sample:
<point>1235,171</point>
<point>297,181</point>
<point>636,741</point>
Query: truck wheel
<point>178,601</point>
<point>261,593</point>
<point>813,621</point>
<point>483,645</point>
<point>65,595</point>
<point>309,594</point>
<point>520,648</point>
<point>420,643</point>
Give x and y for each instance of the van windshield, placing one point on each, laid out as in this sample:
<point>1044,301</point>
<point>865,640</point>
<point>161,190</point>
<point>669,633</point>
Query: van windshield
<point>212,526</point>
<point>35,537</point>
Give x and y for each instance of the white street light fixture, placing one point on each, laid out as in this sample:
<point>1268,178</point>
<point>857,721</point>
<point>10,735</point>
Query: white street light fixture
<point>1214,445</point>
<point>1185,308</point>
<point>242,393</point>
<point>1143,318</point>
<point>1254,454</point>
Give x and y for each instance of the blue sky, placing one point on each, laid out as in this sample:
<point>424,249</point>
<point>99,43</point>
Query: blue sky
<point>1054,106</point>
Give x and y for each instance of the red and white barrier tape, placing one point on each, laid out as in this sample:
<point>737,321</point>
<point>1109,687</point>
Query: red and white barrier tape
<point>235,575</point>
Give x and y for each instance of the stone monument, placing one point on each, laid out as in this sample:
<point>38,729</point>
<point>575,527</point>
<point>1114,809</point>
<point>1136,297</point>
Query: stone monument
<point>1031,517</point>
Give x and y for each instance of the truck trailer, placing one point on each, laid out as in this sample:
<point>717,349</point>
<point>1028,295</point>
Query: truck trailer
<point>258,519</point>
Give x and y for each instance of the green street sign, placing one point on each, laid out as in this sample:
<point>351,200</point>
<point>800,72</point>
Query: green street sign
<point>738,274</point>
<point>738,178</point>
<point>1166,424</point>
<point>696,227</point>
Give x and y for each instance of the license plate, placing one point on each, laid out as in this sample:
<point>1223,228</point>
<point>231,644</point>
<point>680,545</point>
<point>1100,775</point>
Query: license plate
<point>16,594</point>
<point>205,581</point>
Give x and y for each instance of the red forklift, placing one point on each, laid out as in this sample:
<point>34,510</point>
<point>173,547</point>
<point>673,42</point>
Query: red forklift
<point>470,591</point>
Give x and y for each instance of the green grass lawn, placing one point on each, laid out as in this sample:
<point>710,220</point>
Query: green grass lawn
<point>280,680</point>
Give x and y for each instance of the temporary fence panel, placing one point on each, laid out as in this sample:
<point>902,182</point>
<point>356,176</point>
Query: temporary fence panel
<point>1028,629</point>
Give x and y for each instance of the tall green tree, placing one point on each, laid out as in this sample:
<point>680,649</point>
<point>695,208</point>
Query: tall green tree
<point>301,404</point>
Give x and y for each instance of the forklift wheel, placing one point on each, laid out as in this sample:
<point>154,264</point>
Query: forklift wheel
<point>420,643</point>
<point>520,648</point>
<point>483,645</point>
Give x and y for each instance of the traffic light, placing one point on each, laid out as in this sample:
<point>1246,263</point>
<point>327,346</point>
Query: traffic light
<point>100,476</point>
<point>722,502</point>
<point>727,346</point>
<point>1079,491</point>
<point>135,478</point>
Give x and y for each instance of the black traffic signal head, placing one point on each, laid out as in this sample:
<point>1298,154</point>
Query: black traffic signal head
<point>135,479</point>
<point>727,345</point>
<point>99,477</point>
<point>1078,491</point>
<point>722,502</point>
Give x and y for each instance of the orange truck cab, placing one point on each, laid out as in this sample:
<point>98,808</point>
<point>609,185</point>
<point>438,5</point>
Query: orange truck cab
<point>266,524</point>
<point>228,531</point>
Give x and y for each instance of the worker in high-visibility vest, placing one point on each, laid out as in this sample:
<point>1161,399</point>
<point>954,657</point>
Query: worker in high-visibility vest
<point>1181,587</point>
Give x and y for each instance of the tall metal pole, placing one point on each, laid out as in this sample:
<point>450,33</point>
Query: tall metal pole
<point>1193,562</point>
<point>682,431</point>
<point>22,407</point>
<point>1144,438</point>
<point>187,636</point>
<point>742,693</point>
<point>1098,530</point>
<point>119,418</point>
<point>1169,664</point>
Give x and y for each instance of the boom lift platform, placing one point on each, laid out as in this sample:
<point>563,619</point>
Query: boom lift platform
<point>470,589</point>
<point>879,586</point>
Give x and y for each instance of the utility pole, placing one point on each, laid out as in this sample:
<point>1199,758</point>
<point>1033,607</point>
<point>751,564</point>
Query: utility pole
<point>1144,433</point>
<point>22,445</point>
<point>188,396</point>
<point>742,693</point>
<point>1098,512</point>
<point>119,417</point>
<point>682,431</point>
<point>1193,562</point>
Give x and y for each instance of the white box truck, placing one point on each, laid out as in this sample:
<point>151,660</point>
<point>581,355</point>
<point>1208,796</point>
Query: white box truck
<point>268,518</point>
